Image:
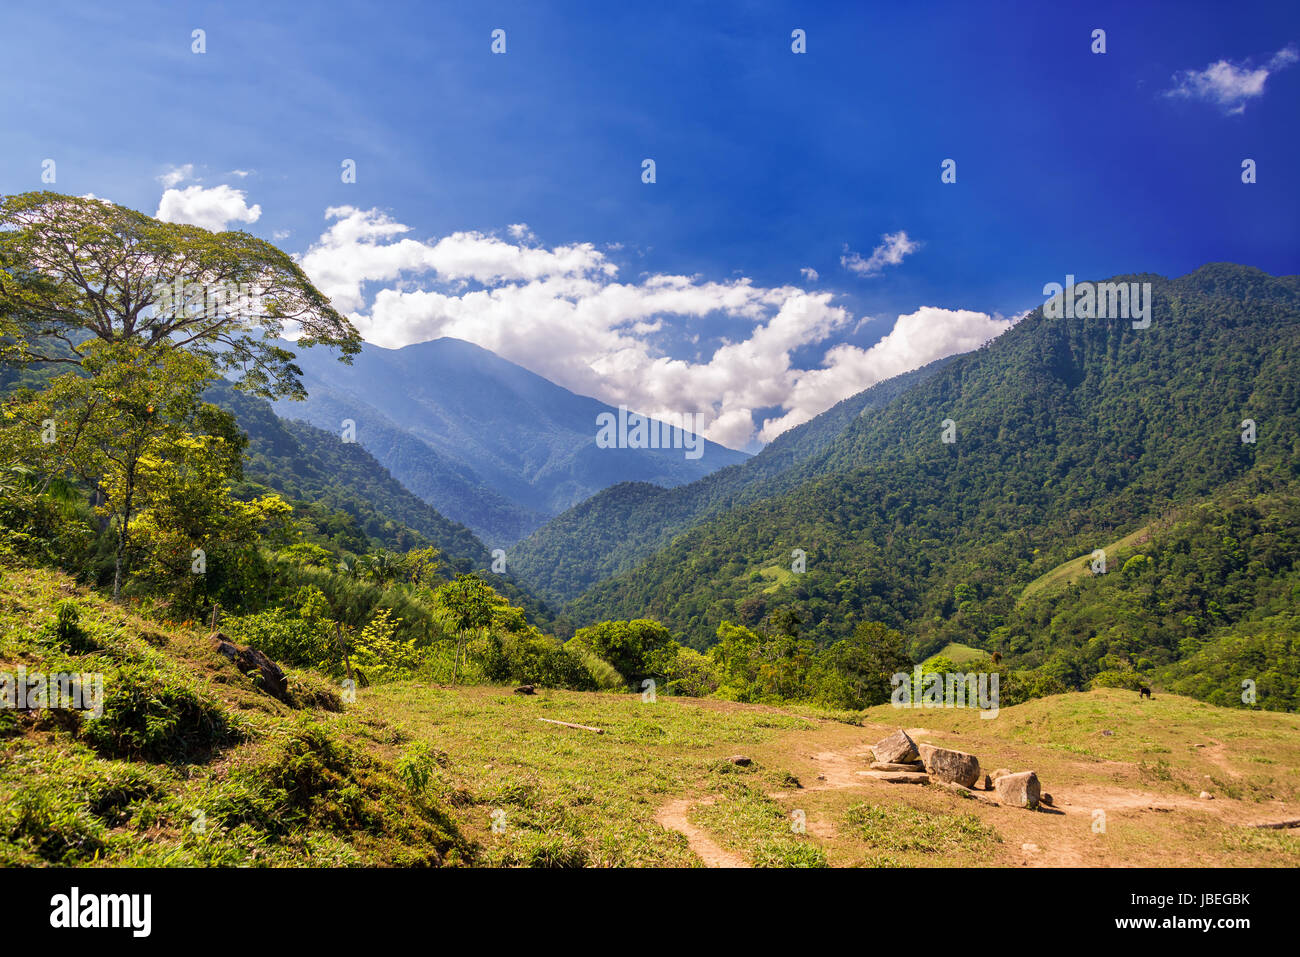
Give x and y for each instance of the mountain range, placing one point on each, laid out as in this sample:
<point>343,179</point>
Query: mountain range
<point>966,501</point>
<point>1067,437</point>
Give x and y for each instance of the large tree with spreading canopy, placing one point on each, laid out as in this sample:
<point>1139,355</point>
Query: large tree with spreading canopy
<point>74,269</point>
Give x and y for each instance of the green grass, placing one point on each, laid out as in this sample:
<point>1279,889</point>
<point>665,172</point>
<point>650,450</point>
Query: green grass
<point>189,763</point>
<point>563,796</point>
<point>897,829</point>
<point>958,654</point>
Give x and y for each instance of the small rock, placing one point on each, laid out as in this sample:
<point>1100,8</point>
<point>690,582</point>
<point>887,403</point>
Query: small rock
<point>1107,733</point>
<point>740,760</point>
<point>898,777</point>
<point>897,766</point>
<point>1032,848</point>
<point>1045,799</point>
<point>896,748</point>
<point>1019,790</point>
<point>1207,796</point>
<point>1000,772</point>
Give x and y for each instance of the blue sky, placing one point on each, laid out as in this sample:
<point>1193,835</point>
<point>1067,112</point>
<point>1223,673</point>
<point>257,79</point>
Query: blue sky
<point>767,163</point>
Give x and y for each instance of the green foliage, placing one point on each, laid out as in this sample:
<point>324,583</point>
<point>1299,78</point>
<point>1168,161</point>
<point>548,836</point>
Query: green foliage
<point>628,646</point>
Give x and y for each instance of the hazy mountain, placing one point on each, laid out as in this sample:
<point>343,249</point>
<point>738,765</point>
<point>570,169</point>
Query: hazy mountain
<point>485,441</point>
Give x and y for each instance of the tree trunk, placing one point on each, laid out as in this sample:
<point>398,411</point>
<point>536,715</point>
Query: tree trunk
<point>120,555</point>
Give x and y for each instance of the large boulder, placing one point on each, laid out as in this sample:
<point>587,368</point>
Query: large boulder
<point>1019,790</point>
<point>895,766</point>
<point>897,748</point>
<point>266,674</point>
<point>944,764</point>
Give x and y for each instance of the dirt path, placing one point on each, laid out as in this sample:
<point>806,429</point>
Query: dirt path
<point>673,817</point>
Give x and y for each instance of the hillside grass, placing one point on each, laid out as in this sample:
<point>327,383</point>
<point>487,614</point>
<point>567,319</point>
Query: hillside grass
<point>190,764</point>
<point>416,774</point>
<point>958,654</point>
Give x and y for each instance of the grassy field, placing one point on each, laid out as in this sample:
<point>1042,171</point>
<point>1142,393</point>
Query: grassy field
<point>196,766</point>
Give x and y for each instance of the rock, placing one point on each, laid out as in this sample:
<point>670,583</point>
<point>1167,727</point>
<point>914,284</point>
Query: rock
<point>948,765</point>
<point>740,760</point>
<point>898,777</point>
<point>1031,848</point>
<point>1207,796</point>
<point>1107,733</point>
<point>897,748</point>
<point>1019,790</point>
<point>1000,772</point>
<point>266,674</point>
<point>525,689</point>
<point>894,766</point>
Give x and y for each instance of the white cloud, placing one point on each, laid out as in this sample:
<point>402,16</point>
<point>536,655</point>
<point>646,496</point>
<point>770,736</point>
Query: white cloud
<point>917,338</point>
<point>564,313</point>
<point>809,273</point>
<point>175,175</point>
<point>212,208</point>
<point>888,253</point>
<point>1230,85</point>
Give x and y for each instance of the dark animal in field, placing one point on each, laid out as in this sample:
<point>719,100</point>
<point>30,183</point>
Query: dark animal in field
<point>1144,692</point>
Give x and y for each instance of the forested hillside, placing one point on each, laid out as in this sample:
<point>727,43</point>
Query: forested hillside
<point>325,474</point>
<point>1068,435</point>
<point>614,529</point>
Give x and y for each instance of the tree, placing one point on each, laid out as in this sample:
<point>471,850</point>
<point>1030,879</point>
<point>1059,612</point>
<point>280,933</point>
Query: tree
<point>627,645</point>
<point>126,408</point>
<point>470,602</point>
<point>856,671</point>
<point>74,270</point>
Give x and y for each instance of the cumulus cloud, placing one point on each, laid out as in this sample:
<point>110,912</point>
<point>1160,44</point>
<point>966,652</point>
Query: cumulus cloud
<point>889,253</point>
<point>565,313</point>
<point>809,273</point>
<point>1230,85</point>
<point>212,208</point>
<point>917,338</point>
<point>175,175</point>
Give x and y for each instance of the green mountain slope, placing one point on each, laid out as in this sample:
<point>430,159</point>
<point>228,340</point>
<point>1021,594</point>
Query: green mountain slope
<point>622,525</point>
<point>1070,434</point>
<point>350,498</point>
<point>307,464</point>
